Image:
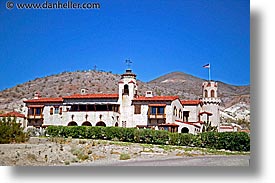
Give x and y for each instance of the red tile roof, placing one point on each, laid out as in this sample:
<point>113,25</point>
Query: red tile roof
<point>44,100</point>
<point>169,124</point>
<point>226,127</point>
<point>91,96</point>
<point>190,123</point>
<point>35,106</point>
<point>157,105</point>
<point>13,114</point>
<point>190,102</point>
<point>204,112</point>
<point>156,98</point>
<point>245,130</point>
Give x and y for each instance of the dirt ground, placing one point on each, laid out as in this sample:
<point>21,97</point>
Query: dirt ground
<point>65,152</point>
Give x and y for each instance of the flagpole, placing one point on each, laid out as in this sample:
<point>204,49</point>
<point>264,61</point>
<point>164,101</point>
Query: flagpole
<point>208,67</point>
<point>209,75</point>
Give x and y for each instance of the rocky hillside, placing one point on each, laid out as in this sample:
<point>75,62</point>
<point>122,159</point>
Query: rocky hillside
<point>189,87</point>
<point>66,83</point>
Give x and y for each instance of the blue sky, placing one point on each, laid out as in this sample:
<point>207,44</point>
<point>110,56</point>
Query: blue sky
<point>158,36</point>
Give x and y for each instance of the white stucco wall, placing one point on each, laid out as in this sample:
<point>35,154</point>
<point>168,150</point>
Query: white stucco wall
<point>214,109</point>
<point>108,117</point>
<point>192,129</point>
<point>193,112</point>
<point>142,118</point>
<point>18,120</point>
<point>179,107</point>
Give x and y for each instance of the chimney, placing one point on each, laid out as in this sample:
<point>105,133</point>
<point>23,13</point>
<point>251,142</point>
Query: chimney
<point>36,95</point>
<point>149,94</point>
<point>83,91</point>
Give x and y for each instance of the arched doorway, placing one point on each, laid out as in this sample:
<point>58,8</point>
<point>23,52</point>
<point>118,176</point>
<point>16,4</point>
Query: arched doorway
<point>86,123</point>
<point>116,124</point>
<point>72,123</point>
<point>100,123</point>
<point>184,130</point>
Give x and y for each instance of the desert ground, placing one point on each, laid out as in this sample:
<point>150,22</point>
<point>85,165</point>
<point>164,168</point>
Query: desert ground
<point>88,152</point>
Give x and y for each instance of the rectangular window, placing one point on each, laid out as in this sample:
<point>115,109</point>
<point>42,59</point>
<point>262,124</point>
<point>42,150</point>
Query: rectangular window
<point>60,110</point>
<point>37,111</point>
<point>56,109</point>
<point>157,110</point>
<point>161,110</point>
<point>31,111</point>
<point>137,109</point>
<point>185,116</point>
<point>153,110</point>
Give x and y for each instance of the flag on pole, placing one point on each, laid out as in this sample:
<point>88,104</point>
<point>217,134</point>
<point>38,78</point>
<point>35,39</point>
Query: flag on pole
<point>206,66</point>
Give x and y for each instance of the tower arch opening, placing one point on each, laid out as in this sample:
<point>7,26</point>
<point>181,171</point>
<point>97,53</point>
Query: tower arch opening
<point>126,89</point>
<point>212,93</point>
<point>205,93</point>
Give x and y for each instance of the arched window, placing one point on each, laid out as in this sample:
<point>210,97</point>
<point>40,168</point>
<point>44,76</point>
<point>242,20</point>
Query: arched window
<point>72,123</point>
<point>175,111</point>
<point>205,93</point>
<point>60,110</point>
<point>100,123</point>
<point>212,93</point>
<point>180,113</point>
<point>51,111</point>
<point>86,123</point>
<point>126,90</point>
<point>184,130</point>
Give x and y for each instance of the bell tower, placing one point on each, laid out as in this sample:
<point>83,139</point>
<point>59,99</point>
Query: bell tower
<point>128,85</point>
<point>127,92</point>
<point>210,103</point>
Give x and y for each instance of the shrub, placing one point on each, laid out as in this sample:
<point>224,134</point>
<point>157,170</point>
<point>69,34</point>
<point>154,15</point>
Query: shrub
<point>187,139</point>
<point>11,132</point>
<point>234,141</point>
<point>34,132</point>
<point>174,139</point>
<point>124,156</point>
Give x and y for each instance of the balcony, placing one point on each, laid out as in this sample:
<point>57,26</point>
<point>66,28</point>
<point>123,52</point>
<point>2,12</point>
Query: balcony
<point>156,116</point>
<point>31,116</point>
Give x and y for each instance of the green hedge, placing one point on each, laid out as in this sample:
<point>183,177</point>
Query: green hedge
<point>234,141</point>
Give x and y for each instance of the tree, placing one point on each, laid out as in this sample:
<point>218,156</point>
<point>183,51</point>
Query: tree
<point>11,132</point>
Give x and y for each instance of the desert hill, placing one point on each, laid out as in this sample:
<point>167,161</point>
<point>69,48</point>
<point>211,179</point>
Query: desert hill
<point>176,83</point>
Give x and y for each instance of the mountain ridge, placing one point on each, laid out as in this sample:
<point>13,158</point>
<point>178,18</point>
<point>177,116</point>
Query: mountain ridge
<point>186,86</point>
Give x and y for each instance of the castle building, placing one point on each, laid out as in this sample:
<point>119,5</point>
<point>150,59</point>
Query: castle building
<point>127,109</point>
<point>18,117</point>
